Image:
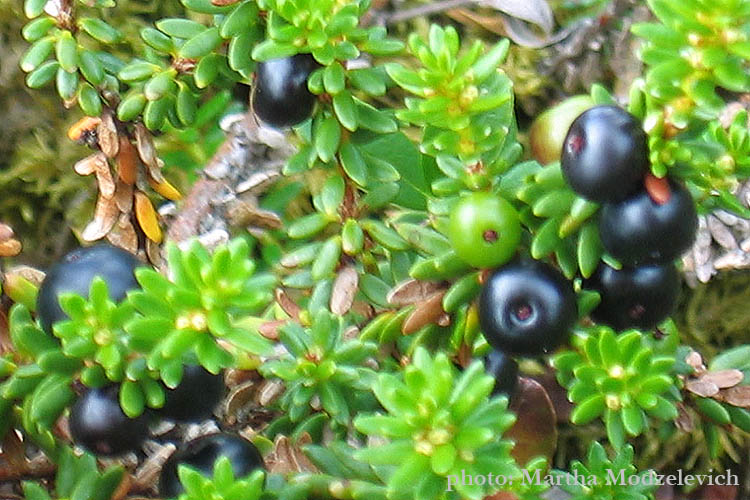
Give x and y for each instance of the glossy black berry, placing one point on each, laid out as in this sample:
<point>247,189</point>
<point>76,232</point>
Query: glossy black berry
<point>74,274</point>
<point>640,230</point>
<point>281,97</point>
<point>639,297</point>
<point>196,397</point>
<point>605,154</point>
<point>505,371</point>
<point>98,424</point>
<point>201,454</point>
<point>527,308</point>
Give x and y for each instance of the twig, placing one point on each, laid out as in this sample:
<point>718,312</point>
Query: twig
<point>425,10</point>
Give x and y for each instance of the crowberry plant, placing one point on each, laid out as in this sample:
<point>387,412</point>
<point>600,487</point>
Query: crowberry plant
<point>368,251</point>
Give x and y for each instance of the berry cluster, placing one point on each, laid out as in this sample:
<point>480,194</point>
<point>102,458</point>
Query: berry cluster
<point>645,222</point>
<point>527,308</point>
<point>97,421</point>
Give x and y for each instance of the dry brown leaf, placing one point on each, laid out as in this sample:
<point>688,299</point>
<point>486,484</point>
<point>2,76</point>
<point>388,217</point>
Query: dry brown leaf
<point>105,216</point>
<point>703,388</point>
<point>6,232</point>
<point>695,361</point>
<point>535,431</point>
<point>124,196</point>
<point>412,291</point>
<point>270,329</point>
<point>684,420</point>
<point>723,379</point>
<point>270,391</point>
<point>123,234</point>
<point>154,171</point>
<point>145,145</point>
<point>737,396</point>
<point>84,129</point>
<point>240,396</point>
<point>10,248</point>
<point>424,314</point>
<point>30,274</point>
<point>104,176</point>
<point>165,189</point>
<point>107,131</point>
<point>344,289</point>
<point>288,457</point>
<point>147,217</point>
<point>287,304</point>
<point>127,161</point>
<point>86,166</point>
<point>153,254</point>
<point>240,213</point>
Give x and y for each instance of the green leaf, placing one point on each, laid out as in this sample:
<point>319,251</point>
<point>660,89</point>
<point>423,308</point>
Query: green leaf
<point>546,238</point>
<point>615,428</point>
<point>490,61</point>
<point>307,226</point>
<point>736,358</point>
<point>137,70</point>
<point>206,6</point>
<point>88,99</point>
<point>34,8</point>
<point>369,80</point>
<point>180,28</point>
<point>270,49</point>
<point>38,28</point>
<point>201,44</point>
<point>186,105</point>
<point>334,78</point>
<point>91,67</point>
<point>130,107</point>
<point>375,289</point>
<point>384,235</point>
<point>132,399</point>
<point>461,292</point>
<point>157,40</point>
<point>328,258</point>
<point>42,75</point>
<point>155,113</point>
<point>37,54</point>
<point>713,410</point>
<point>238,53</point>
<point>33,491</point>
<point>66,51</point>
<point>67,83</point>
<point>100,30</point>
<point>352,237</point>
<point>353,163</point>
<point>343,106</point>
<point>239,20</point>
<point>588,410</point>
<point>159,85</point>
<point>589,249</point>
<point>374,119</point>
<point>207,70</point>
<point>327,138</point>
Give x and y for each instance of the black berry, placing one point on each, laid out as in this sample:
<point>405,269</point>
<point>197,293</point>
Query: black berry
<point>281,97</point>
<point>605,154</point>
<point>201,453</point>
<point>527,308</point>
<point>98,423</point>
<point>639,297</point>
<point>505,370</point>
<point>196,397</point>
<point>74,274</point>
<point>640,230</point>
